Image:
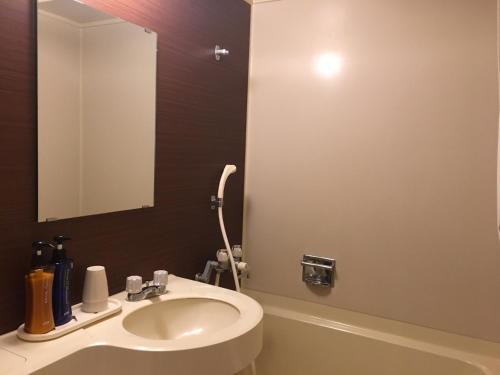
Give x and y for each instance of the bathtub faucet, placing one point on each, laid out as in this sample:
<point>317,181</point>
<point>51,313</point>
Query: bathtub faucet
<point>136,291</point>
<point>222,265</point>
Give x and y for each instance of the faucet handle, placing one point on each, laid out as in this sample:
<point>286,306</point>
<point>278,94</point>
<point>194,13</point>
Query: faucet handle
<point>160,277</point>
<point>134,284</point>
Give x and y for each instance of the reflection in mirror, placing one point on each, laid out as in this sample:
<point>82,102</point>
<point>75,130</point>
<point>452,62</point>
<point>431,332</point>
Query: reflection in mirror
<point>96,112</point>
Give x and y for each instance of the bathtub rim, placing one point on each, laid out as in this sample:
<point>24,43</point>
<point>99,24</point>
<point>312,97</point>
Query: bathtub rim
<point>481,354</point>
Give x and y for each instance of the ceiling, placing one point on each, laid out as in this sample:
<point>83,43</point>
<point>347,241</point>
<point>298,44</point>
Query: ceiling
<point>259,1</point>
<point>73,10</point>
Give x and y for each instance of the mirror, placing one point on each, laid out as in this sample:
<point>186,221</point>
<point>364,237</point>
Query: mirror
<point>96,112</point>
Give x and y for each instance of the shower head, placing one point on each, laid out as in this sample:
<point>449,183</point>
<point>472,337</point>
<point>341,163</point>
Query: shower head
<point>229,169</point>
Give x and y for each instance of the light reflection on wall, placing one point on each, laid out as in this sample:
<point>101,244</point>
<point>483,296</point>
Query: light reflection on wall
<point>328,64</point>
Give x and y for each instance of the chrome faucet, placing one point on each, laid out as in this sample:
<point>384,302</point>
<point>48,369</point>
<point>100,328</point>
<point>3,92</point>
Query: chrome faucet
<point>136,291</point>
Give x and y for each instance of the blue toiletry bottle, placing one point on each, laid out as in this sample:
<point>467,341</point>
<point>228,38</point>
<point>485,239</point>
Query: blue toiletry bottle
<point>61,296</point>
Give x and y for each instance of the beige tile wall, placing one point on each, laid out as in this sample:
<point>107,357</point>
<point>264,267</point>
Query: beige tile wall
<point>372,138</point>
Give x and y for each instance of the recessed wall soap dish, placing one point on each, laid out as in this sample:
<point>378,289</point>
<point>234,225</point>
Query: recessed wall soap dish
<point>318,271</point>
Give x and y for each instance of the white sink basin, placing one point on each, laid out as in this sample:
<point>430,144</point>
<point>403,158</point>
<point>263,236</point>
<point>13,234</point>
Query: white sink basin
<point>193,329</point>
<point>180,318</point>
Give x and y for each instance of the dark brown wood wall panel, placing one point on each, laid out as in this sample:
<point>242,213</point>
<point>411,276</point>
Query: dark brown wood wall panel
<point>201,117</point>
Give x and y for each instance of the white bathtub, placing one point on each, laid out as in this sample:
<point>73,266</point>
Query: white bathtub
<point>305,338</point>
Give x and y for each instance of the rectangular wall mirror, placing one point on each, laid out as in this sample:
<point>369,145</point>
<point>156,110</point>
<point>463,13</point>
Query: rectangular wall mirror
<point>96,112</point>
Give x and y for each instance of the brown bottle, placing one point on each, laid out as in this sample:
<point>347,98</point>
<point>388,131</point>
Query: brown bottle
<point>39,316</point>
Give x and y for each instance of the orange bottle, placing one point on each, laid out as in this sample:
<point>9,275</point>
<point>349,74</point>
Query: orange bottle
<point>39,316</point>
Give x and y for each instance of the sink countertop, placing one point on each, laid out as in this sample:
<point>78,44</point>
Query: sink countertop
<point>22,357</point>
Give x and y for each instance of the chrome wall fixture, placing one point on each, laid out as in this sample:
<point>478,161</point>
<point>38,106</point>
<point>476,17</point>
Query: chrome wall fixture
<point>215,202</point>
<point>318,271</point>
<point>219,52</point>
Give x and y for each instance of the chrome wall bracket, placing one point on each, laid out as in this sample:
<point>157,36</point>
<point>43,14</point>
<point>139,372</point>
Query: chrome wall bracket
<point>318,271</point>
<point>219,52</point>
<point>216,202</point>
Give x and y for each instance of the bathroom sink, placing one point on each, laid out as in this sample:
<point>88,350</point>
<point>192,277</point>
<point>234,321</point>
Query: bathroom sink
<point>181,318</point>
<point>195,328</point>
<point>189,330</point>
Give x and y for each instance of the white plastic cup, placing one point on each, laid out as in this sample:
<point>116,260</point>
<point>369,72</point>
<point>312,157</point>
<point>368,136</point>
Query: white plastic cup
<point>95,290</point>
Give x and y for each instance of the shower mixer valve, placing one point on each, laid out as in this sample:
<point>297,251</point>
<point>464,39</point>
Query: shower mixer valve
<point>222,265</point>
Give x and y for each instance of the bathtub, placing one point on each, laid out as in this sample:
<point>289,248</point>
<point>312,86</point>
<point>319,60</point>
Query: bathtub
<point>306,338</point>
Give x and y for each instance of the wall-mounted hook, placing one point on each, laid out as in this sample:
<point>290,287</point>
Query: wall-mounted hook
<point>219,52</point>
